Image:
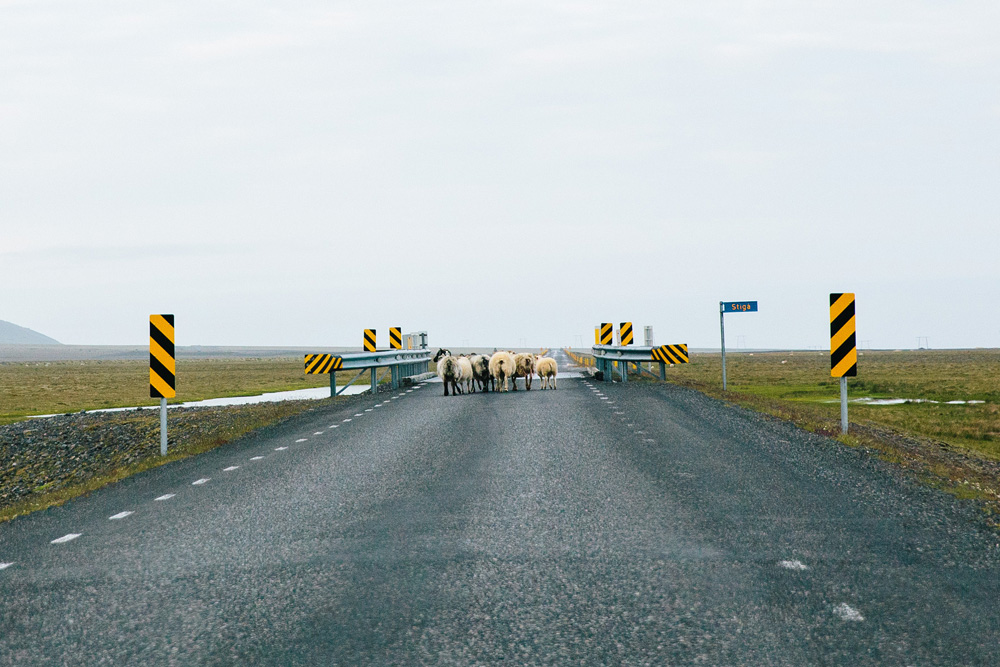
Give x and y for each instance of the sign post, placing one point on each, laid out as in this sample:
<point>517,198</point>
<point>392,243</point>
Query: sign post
<point>162,368</point>
<point>731,307</point>
<point>843,346</point>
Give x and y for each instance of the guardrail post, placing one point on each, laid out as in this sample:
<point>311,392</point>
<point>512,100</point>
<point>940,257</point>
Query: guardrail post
<point>333,383</point>
<point>663,371</point>
<point>374,381</point>
<point>624,367</point>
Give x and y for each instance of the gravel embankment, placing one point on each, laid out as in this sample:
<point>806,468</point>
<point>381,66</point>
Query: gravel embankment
<point>41,456</point>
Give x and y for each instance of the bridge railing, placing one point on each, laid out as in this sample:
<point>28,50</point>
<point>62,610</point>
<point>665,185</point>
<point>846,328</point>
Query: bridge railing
<point>401,363</point>
<point>616,358</point>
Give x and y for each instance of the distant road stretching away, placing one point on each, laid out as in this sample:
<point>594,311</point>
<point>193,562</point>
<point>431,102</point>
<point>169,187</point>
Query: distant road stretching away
<point>595,524</point>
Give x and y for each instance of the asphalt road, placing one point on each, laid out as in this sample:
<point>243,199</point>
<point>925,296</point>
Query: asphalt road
<point>595,524</point>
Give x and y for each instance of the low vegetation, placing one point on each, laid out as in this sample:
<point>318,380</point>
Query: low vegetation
<point>59,387</point>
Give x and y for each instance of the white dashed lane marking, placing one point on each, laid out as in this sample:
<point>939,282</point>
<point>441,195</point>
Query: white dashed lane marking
<point>360,414</point>
<point>167,496</point>
<point>316,433</point>
<point>368,410</point>
<point>301,439</point>
<point>280,449</point>
<point>256,458</point>
<point>66,538</point>
<point>848,613</point>
<point>347,420</point>
<point>199,482</point>
<point>230,469</point>
<point>793,565</point>
<point>4,566</point>
<point>120,515</point>
<point>334,425</point>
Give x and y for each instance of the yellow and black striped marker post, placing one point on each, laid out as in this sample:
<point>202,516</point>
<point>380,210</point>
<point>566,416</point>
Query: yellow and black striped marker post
<point>671,354</point>
<point>319,364</point>
<point>607,331</point>
<point>843,346</point>
<point>162,368</point>
<point>597,335</point>
<point>369,340</point>
<point>625,333</point>
<point>396,338</point>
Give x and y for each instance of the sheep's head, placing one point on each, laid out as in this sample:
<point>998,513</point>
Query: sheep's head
<point>442,353</point>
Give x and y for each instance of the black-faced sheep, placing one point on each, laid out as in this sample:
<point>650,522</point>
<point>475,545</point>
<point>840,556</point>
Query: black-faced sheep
<point>546,369</point>
<point>502,368</point>
<point>448,370</point>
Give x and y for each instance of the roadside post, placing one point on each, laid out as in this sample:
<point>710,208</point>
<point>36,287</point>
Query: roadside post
<point>843,346</point>
<point>731,307</point>
<point>162,368</point>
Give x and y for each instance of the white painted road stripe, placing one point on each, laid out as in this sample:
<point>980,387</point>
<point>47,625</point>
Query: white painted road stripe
<point>66,538</point>
<point>280,449</point>
<point>347,420</point>
<point>316,433</point>
<point>301,439</point>
<point>256,458</point>
<point>847,612</point>
<point>230,468</point>
<point>793,565</point>
<point>4,566</point>
<point>120,515</point>
<point>334,425</point>
<point>167,496</point>
<point>360,414</point>
<point>368,410</point>
<point>200,481</point>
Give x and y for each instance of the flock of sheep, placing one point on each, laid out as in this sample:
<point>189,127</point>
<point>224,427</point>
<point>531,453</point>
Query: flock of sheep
<point>491,372</point>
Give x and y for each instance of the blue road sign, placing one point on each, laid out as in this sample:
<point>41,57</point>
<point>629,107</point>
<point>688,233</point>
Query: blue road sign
<point>739,306</point>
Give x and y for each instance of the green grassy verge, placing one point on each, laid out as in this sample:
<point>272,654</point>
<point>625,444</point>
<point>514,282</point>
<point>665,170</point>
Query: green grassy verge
<point>58,387</point>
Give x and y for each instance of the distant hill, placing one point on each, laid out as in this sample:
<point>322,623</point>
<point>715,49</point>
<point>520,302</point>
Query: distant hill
<point>11,334</point>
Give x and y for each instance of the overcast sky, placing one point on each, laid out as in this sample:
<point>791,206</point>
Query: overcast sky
<point>500,173</point>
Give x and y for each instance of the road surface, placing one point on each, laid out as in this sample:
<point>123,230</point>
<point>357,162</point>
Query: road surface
<point>594,524</point>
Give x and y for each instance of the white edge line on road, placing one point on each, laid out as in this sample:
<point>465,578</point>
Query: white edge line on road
<point>793,565</point>
<point>120,515</point>
<point>66,538</point>
<point>301,439</point>
<point>347,420</point>
<point>199,482</point>
<point>368,410</point>
<point>316,433</point>
<point>360,414</point>
<point>4,566</point>
<point>230,468</point>
<point>166,496</point>
<point>334,425</point>
<point>847,612</point>
<point>280,449</point>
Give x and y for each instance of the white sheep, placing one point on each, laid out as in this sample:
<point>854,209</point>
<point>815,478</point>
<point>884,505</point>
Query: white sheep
<point>465,382</point>
<point>546,368</point>
<point>448,370</point>
<point>502,367</point>
<point>525,367</point>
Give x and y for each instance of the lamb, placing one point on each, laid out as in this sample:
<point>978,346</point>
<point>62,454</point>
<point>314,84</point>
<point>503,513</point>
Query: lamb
<point>448,370</point>
<point>525,366</point>
<point>502,367</point>
<point>480,372</point>
<point>546,369</point>
<point>466,381</point>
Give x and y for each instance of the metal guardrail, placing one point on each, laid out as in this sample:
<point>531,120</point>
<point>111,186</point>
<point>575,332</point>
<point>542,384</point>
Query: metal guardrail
<point>611,358</point>
<point>402,363</point>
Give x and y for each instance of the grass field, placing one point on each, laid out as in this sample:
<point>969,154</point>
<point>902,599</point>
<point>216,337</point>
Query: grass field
<point>33,388</point>
<point>799,383</point>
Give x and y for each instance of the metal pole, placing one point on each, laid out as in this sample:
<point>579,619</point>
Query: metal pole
<point>163,426</point>
<point>663,371</point>
<point>374,382</point>
<point>722,329</point>
<point>333,383</point>
<point>843,404</point>
<point>624,367</point>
